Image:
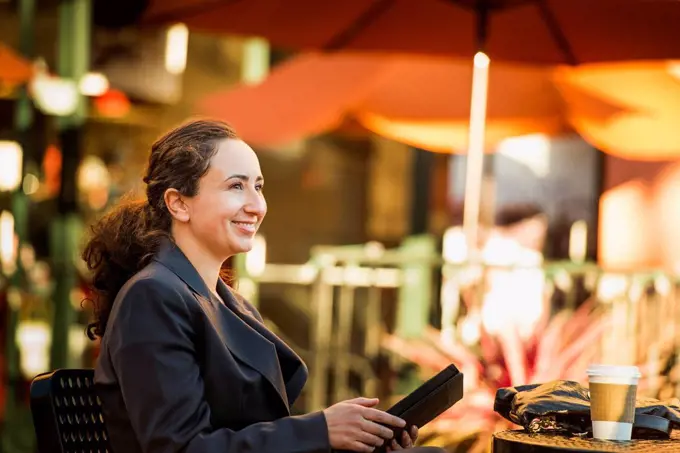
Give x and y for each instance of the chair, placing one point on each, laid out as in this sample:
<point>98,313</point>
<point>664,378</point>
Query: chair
<point>67,414</point>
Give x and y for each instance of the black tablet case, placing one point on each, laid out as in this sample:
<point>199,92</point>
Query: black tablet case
<point>428,401</point>
<point>431,399</point>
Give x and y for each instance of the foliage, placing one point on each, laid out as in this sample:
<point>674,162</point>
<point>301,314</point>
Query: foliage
<point>561,347</point>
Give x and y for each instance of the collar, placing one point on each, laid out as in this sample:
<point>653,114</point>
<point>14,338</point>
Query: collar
<point>242,339</point>
<point>171,256</point>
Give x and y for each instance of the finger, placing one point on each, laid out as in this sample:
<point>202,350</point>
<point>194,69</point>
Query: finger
<point>376,429</point>
<point>394,445</point>
<point>383,417</point>
<point>360,447</point>
<point>406,439</point>
<point>370,439</point>
<point>414,433</point>
<point>366,402</point>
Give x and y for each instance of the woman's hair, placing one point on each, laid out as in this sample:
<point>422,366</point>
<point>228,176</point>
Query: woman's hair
<point>125,240</point>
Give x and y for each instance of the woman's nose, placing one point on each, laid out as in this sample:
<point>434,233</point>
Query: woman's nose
<point>257,205</point>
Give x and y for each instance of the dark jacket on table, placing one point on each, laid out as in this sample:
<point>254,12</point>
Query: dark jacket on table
<point>182,371</point>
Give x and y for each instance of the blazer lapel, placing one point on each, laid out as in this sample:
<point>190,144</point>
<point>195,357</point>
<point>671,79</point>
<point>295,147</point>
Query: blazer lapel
<point>247,344</point>
<point>293,369</point>
<point>252,348</point>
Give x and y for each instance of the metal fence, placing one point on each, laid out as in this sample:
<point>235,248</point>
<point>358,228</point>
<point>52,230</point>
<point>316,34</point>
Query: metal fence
<point>352,296</point>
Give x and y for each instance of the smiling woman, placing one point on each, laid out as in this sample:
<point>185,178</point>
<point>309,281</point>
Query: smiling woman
<point>223,217</point>
<point>126,239</point>
<point>186,364</point>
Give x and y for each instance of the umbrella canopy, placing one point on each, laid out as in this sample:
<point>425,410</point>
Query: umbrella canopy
<point>536,31</point>
<point>14,69</point>
<point>532,31</point>
<point>417,100</point>
<point>647,130</point>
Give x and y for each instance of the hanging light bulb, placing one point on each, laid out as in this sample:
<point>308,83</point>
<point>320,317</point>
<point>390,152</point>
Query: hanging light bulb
<point>53,95</point>
<point>8,243</point>
<point>10,165</point>
<point>176,48</point>
<point>93,84</point>
<point>34,340</point>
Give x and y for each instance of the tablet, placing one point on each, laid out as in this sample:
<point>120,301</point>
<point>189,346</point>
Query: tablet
<point>426,402</point>
<point>431,399</point>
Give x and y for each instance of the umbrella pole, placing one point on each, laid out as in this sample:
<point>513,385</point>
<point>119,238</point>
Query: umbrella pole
<point>474,168</point>
<point>475,158</point>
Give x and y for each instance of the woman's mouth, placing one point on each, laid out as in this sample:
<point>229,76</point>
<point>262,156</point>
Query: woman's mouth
<point>249,228</point>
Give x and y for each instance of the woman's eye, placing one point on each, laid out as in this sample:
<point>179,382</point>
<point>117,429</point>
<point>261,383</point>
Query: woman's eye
<point>259,187</point>
<point>238,186</point>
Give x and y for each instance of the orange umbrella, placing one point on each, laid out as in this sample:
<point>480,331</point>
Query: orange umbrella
<point>302,97</point>
<point>647,130</point>
<point>530,31</point>
<point>14,69</point>
<point>417,100</point>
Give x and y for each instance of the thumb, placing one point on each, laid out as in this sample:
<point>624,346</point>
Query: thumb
<point>366,402</point>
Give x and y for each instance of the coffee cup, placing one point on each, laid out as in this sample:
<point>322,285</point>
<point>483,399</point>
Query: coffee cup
<point>613,390</point>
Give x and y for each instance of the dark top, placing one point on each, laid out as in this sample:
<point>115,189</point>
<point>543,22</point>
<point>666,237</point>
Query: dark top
<point>182,371</point>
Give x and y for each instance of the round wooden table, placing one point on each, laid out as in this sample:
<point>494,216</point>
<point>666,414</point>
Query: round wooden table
<point>514,441</point>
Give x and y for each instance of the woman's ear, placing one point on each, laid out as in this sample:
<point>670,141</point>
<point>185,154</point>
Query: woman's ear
<point>176,206</point>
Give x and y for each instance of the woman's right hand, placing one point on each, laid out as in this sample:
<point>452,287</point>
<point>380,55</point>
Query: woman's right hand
<point>357,426</point>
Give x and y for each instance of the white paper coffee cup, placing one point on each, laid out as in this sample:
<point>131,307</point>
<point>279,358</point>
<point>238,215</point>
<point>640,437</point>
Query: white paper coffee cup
<point>613,390</point>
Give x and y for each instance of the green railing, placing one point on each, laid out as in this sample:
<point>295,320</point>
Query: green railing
<point>356,296</point>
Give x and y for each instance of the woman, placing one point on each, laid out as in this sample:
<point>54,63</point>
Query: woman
<point>186,365</point>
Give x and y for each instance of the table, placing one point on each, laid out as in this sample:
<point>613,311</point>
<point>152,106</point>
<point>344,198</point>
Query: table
<point>515,441</point>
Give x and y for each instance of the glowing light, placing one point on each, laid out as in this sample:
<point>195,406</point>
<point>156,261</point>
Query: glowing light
<point>176,48</point>
<point>93,84</point>
<point>10,165</point>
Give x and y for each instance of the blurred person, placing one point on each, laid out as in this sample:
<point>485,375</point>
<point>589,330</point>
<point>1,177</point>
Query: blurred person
<point>186,364</point>
<point>525,223</point>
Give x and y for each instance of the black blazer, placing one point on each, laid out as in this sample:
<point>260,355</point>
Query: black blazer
<point>180,371</point>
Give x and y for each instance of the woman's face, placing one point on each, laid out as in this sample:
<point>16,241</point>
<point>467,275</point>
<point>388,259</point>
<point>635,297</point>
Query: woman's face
<point>229,207</point>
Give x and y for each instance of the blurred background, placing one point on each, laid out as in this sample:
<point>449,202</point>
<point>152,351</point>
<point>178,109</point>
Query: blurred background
<point>489,183</point>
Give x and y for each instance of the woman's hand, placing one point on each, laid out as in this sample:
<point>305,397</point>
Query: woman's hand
<point>355,425</point>
<point>408,440</point>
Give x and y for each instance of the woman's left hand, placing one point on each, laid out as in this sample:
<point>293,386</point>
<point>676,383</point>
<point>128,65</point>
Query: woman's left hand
<point>408,439</point>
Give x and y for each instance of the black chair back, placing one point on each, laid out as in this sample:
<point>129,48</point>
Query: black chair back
<point>67,414</point>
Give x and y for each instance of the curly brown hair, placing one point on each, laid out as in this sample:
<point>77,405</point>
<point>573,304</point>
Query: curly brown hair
<point>125,239</point>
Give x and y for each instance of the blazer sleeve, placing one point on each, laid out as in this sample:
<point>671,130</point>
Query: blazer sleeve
<point>152,350</point>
